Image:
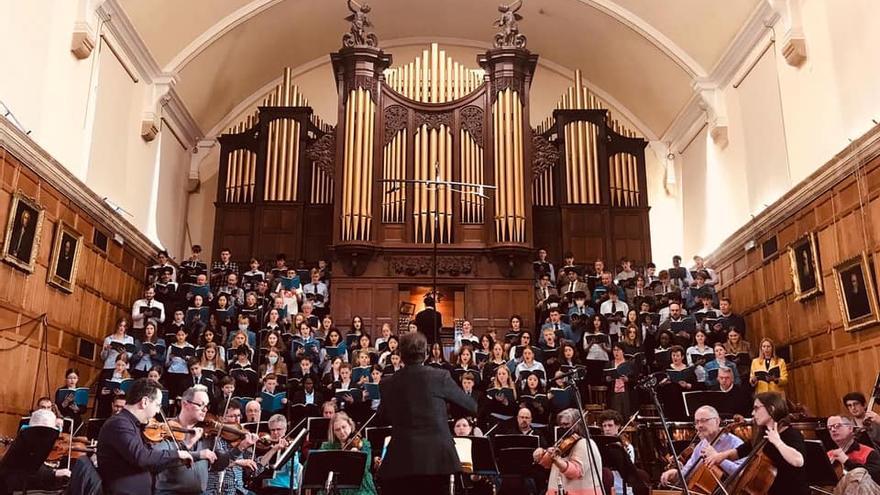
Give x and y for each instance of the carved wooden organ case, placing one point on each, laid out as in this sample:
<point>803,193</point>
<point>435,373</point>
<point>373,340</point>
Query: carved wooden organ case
<point>433,118</point>
<point>275,180</point>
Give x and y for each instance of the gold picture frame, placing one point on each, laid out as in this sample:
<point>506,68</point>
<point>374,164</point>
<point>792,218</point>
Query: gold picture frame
<point>65,257</point>
<point>22,240</point>
<point>857,295</point>
<point>806,268</point>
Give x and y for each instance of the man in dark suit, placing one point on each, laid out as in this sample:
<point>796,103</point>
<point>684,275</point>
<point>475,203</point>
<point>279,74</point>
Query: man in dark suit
<point>421,455</point>
<point>736,399</point>
<point>429,322</point>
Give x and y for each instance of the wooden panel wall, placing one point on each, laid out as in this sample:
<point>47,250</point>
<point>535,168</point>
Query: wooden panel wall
<point>827,361</point>
<point>490,305</point>
<point>106,285</point>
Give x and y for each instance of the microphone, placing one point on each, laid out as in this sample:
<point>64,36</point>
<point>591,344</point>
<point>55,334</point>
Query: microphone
<point>575,374</point>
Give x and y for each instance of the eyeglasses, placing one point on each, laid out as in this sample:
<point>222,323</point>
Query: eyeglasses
<point>838,426</point>
<point>198,405</point>
<point>700,421</point>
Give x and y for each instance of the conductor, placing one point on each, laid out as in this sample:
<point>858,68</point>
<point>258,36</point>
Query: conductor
<point>429,321</point>
<point>421,455</point>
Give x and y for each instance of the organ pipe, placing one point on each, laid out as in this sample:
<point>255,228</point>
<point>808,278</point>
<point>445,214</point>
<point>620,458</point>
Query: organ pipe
<point>433,77</point>
<point>508,146</point>
<point>358,166</point>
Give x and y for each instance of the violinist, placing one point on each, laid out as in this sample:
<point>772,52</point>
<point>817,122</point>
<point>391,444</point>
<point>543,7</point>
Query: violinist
<point>708,424</point>
<point>572,468</point>
<point>279,483</point>
<point>783,446</point>
<point>45,478</point>
<point>862,417</point>
<point>194,478</point>
<point>340,435</point>
<point>849,452</point>
<point>233,479</point>
<point>124,459</point>
<point>621,456</point>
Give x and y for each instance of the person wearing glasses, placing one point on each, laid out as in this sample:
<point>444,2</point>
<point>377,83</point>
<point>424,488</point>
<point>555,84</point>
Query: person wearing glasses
<point>124,460</point>
<point>194,404</point>
<point>784,445</point>
<point>708,424</point>
<point>849,452</point>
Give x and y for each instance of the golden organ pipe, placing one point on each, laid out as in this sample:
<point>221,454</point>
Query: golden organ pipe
<point>356,162</point>
<point>519,213</point>
<point>508,161</point>
<point>349,157</point>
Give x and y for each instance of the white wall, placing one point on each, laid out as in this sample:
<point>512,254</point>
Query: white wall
<point>784,122</point>
<point>87,114</point>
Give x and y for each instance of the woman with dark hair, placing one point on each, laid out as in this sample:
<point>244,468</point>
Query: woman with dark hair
<point>355,332</point>
<point>65,398</point>
<point>118,341</point>
<point>597,347</point>
<point>782,444</point>
<point>436,359</point>
<point>151,351</point>
<point>621,395</point>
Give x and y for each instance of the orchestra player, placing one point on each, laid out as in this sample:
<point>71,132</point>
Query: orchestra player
<point>708,424</point>
<point>784,445</point>
<point>574,471</point>
<point>849,452</point>
<point>124,460</point>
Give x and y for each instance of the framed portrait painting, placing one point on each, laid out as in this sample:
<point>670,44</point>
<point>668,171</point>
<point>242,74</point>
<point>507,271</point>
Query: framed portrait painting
<point>857,295</point>
<point>22,240</point>
<point>65,257</point>
<point>806,271</point>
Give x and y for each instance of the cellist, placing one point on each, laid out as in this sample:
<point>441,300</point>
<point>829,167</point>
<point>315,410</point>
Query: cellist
<point>712,439</point>
<point>783,446</point>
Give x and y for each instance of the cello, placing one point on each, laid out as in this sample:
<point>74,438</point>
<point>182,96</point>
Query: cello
<point>705,478</point>
<point>757,474</point>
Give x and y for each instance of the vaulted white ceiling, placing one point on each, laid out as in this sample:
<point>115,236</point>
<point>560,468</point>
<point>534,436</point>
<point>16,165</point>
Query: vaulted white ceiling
<point>643,53</point>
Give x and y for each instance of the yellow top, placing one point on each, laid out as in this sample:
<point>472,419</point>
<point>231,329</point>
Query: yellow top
<point>762,386</point>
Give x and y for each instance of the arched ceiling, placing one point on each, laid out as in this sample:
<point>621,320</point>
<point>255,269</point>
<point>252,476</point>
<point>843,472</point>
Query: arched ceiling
<point>644,53</point>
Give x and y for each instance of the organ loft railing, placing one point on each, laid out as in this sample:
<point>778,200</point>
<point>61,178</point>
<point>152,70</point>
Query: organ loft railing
<point>276,161</point>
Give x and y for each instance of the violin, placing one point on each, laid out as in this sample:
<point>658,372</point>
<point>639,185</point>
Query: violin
<point>355,442</point>
<point>72,447</point>
<point>156,431</point>
<point>231,432</point>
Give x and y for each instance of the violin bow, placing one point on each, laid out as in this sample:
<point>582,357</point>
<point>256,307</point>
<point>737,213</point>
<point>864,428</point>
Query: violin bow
<point>351,438</point>
<point>631,419</point>
<point>217,440</point>
<point>171,433</point>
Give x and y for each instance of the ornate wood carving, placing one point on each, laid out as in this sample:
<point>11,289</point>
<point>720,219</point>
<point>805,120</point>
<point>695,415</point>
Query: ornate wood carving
<point>357,34</point>
<point>508,36</point>
<point>544,154</point>
<point>472,122</point>
<point>452,266</point>
<point>395,120</point>
<point>514,83</point>
<point>433,119</point>
<point>323,151</point>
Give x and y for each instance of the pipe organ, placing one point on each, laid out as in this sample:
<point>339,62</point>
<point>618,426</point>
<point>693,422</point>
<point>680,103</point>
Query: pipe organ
<point>432,170</point>
<point>272,177</point>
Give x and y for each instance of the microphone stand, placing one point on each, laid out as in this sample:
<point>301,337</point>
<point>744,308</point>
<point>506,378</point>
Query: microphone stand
<point>649,385</point>
<point>597,474</point>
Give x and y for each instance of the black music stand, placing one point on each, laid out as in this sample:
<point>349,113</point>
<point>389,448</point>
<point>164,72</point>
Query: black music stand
<point>93,427</point>
<point>516,441</point>
<point>27,453</point>
<point>334,470</point>
<point>615,458</point>
<point>318,428</point>
<point>818,466</point>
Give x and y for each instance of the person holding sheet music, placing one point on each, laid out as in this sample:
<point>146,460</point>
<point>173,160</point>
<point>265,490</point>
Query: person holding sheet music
<point>341,429</point>
<point>395,363</point>
<point>533,396</point>
<point>271,399</point>
<point>466,335</point>
<point>274,364</point>
<point>542,266</point>
<point>290,288</point>
<point>274,324</point>
<point>464,363</point>
<point>501,395</point>
<point>176,368</point>
<point>660,356</point>
<point>632,348</point>
<point>112,386</point>
<point>381,341</point>
<point>733,320</point>
<point>246,378</point>
<point>200,288</point>
<point>207,339</point>
<point>639,292</point>
<point>252,278</point>
<point>308,395</point>
<point>334,346</point>
<point>393,342</point>
<point>529,366</point>
<point>468,382</point>
<point>329,377</point>
<point>620,375</point>
<point>114,344</point>
<point>496,360</point>
<point>224,313</point>
<point>343,389</point>
<point>325,327</point>
<point>769,372</point>
<point>545,294</point>
<point>151,351</point>
<point>560,394</point>
<point>681,378</point>
<point>361,373</point>
<point>740,350</point>
<point>699,354</point>
<point>305,344</point>
<point>226,388</point>
<point>317,293</point>
<point>525,339</point>
<point>272,341</point>
<point>720,361</point>
<point>548,351</point>
<point>436,360</point>
<point>562,329</point>
<point>614,310</point>
<point>596,346</point>
<point>72,400</point>
<point>198,312</point>
<point>145,309</point>
<point>735,399</point>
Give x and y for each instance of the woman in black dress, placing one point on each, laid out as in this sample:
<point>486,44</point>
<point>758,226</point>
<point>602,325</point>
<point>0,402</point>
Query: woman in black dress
<point>784,446</point>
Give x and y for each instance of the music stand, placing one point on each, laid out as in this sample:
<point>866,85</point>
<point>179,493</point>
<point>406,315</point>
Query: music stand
<point>318,428</point>
<point>615,458</point>
<point>484,459</point>
<point>27,453</point>
<point>516,441</point>
<point>93,427</point>
<point>334,470</point>
<point>818,466</point>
